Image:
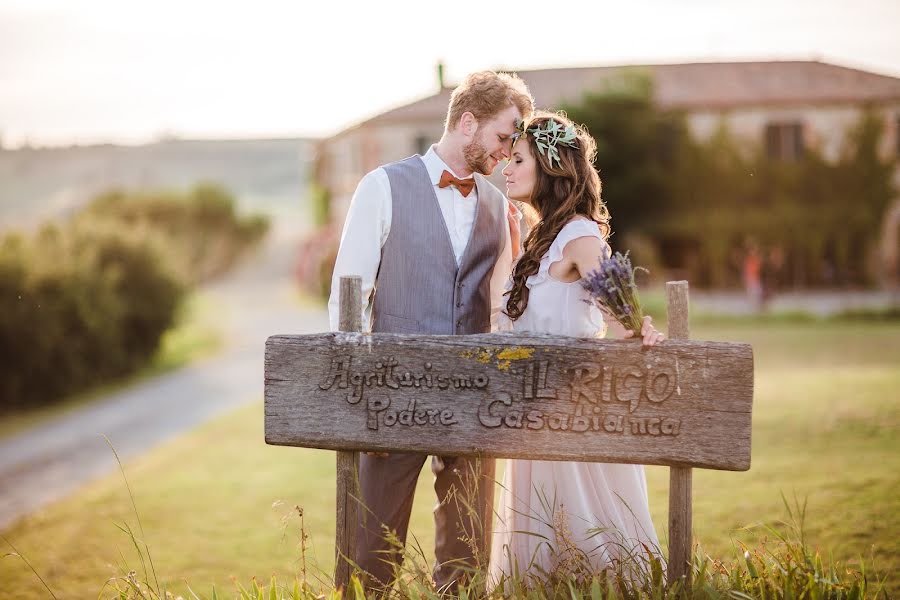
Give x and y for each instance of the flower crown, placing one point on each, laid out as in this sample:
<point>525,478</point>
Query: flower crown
<point>547,138</point>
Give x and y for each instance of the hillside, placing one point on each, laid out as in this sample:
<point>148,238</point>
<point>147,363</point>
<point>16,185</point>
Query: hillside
<point>36,183</point>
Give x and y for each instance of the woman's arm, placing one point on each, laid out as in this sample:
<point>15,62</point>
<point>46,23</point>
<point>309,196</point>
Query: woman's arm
<point>585,253</point>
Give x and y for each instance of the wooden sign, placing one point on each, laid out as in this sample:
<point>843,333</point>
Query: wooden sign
<point>682,403</point>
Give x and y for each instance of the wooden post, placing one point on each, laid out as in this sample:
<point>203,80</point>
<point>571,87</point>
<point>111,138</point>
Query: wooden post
<point>488,474</point>
<point>680,517</point>
<point>347,462</point>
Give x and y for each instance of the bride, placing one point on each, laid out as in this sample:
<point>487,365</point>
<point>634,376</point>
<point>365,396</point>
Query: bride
<point>557,517</point>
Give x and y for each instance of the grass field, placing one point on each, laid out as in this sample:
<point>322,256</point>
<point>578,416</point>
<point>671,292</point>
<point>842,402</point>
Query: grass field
<point>218,502</point>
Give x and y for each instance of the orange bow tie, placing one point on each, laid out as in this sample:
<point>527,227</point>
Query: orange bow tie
<point>463,185</point>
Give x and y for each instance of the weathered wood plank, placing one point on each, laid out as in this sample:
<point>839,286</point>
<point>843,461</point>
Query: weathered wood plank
<point>680,478</point>
<point>350,304</point>
<point>347,483</point>
<point>680,403</point>
<point>677,310</point>
<point>347,474</point>
<point>680,524</point>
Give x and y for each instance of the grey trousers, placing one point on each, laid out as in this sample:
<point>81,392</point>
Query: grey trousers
<point>462,516</point>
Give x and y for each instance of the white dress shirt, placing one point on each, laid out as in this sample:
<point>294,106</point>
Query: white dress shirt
<point>369,222</point>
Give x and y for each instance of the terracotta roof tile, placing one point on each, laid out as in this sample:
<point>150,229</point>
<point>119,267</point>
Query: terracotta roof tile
<point>692,86</point>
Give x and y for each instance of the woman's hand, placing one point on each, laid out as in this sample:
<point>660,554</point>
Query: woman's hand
<point>651,336</point>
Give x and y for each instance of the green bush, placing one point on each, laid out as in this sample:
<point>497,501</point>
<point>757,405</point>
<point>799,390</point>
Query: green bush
<point>80,305</point>
<point>320,198</point>
<point>88,300</point>
<point>315,260</point>
<point>202,226</point>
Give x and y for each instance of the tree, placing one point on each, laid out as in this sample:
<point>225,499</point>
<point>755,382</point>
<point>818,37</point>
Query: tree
<point>638,147</point>
<point>700,201</point>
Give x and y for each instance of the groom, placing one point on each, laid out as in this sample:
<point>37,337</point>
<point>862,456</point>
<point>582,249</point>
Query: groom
<point>429,237</point>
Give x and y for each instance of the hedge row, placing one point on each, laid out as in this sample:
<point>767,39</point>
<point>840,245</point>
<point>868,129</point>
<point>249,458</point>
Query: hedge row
<point>86,301</point>
<point>202,227</point>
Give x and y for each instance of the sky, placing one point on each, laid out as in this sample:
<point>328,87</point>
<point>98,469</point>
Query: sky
<point>96,71</point>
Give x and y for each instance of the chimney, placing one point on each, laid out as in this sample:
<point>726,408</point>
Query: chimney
<point>440,75</point>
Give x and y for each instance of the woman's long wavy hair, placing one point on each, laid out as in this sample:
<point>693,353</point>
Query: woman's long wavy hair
<point>562,190</point>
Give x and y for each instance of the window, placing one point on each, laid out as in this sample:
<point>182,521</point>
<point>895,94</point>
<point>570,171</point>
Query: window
<point>784,141</point>
<point>423,143</point>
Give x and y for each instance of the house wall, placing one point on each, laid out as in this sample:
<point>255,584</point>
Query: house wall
<point>826,128</point>
<point>355,152</point>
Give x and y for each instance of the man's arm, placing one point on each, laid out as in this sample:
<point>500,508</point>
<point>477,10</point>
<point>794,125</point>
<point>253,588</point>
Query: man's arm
<point>365,231</point>
<point>514,220</point>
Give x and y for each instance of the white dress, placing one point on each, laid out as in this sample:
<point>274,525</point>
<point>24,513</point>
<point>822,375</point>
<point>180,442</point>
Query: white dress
<point>552,511</point>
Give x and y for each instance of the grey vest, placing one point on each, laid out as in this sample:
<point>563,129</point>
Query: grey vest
<point>419,288</point>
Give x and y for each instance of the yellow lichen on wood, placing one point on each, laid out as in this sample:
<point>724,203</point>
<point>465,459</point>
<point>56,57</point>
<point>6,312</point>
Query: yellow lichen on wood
<point>515,353</point>
<point>503,356</point>
<point>482,355</point>
<point>507,355</point>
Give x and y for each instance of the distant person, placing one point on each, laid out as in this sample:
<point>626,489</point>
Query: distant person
<point>433,241</point>
<point>751,272</point>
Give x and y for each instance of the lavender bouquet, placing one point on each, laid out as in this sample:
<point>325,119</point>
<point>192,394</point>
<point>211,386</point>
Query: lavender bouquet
<point>611,287</point>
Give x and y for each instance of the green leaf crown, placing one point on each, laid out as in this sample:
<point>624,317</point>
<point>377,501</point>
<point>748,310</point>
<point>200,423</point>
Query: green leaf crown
<point>547,138</point>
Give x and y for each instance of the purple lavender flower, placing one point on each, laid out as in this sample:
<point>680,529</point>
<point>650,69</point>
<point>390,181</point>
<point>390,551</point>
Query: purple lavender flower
<point>611,287</point>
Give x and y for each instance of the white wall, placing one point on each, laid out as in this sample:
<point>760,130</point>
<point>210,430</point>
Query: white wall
<point>825,127</point>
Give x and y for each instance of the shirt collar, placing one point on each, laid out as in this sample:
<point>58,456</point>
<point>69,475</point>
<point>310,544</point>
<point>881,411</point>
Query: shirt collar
<point>436,165</point>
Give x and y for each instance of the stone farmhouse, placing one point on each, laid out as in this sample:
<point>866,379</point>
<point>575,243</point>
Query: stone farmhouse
<point>787,106</point>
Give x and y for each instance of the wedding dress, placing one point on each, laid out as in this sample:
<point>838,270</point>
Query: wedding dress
<point>551,512</point>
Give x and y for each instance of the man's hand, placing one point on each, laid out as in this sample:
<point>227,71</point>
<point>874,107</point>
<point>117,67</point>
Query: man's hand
<point>515,232</point>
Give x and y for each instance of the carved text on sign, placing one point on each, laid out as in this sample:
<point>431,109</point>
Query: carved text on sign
<point>380,412</point>
<point>385,375</point>
<point>502,411</point>
<point>594,390</point>
<point>535,383</point>
<point>596,383</point>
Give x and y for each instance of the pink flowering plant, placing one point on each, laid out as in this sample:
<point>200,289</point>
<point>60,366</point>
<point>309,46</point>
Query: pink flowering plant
<point>612,288</point>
